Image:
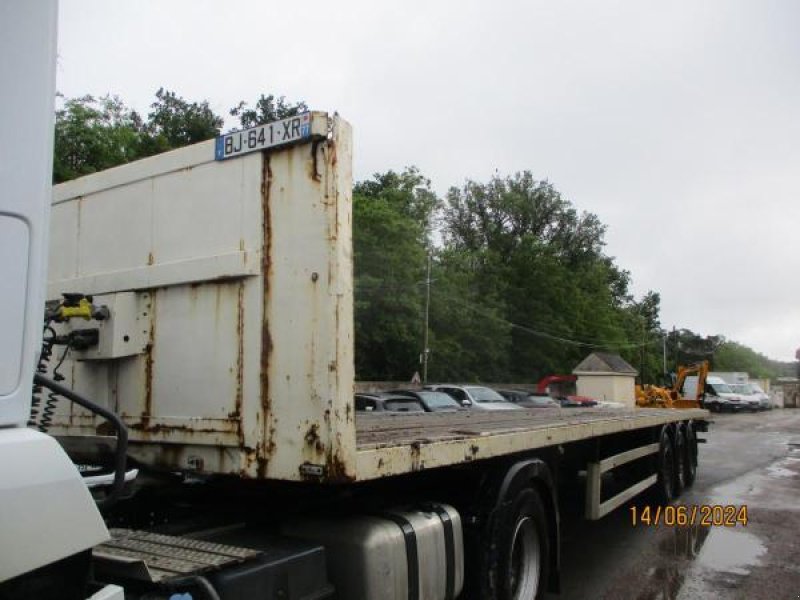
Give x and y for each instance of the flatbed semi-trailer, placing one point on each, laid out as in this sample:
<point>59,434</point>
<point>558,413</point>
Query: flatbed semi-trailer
<point>221,334</point>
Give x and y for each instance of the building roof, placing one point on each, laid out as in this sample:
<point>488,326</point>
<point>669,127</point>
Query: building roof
<point>604,362</point>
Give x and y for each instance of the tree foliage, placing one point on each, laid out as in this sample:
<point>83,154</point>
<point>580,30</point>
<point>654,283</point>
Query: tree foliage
<point>544,260</point>
<point>92,134</point>
<point>266,109</point>
<point>389,254</point>
<point>732,356</point>
<point>174,122</point>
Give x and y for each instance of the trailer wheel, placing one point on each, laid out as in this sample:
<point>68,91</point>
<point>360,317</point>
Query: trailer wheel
<point>524,550</point>
<point>665,484</point>
<point>680,459</point>
<point>690,463</point>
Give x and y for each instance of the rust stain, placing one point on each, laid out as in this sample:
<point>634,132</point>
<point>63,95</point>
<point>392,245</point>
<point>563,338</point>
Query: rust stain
<point>315,174</point>
<point>416,462</point>
<point>148,364</point>
<point>239,366</point>
<point>336,470</point>
<point>473,453</point>
<point>332,145</point>
<point>312,435</point>
<point>219,279</point>
<point>266,448</point>
<point>151,260</point>
<point>145,426</point>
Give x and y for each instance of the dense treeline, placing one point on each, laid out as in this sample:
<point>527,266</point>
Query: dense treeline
<point>514,278</point>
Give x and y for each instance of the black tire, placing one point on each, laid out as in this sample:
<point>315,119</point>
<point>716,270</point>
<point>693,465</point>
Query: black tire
<point>680,459</point>
<point>664,492</point>
<point>523,549</point>
<point>690,464</point>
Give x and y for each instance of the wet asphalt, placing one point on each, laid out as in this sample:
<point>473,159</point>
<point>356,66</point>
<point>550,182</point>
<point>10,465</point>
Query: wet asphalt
<point>750,460</point>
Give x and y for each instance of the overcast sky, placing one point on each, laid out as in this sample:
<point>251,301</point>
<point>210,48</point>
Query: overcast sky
<point>677,123</point>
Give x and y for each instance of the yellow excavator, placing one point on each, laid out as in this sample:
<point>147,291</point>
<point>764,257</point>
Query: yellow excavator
<point>653,396</point>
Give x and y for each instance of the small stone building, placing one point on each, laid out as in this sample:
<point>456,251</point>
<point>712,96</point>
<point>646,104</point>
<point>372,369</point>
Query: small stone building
<point>607,377</point>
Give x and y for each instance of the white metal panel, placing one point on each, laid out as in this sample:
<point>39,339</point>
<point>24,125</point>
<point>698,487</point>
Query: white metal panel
<point>28,46</point>
<point>115,229</point>
<point>202,211</point>
<point>48,513</point>
<point>124,333</point>
<point>308,309</point>
<point>196,354</point>
<point>63,255</point>
<point>168,162</point>
<point>248,370</point>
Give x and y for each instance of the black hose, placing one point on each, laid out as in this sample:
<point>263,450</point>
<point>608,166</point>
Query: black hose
<point>196,581</point>
<point>120,455</point>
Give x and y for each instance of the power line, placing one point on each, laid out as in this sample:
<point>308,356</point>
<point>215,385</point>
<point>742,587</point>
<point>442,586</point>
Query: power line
<point>544,334</point>
<point>595,343</point>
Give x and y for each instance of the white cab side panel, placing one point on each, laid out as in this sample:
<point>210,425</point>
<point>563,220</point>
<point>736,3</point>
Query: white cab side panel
<point>28,47</point>
<point>47,512</point>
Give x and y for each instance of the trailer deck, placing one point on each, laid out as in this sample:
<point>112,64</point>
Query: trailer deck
<point>392,444</point>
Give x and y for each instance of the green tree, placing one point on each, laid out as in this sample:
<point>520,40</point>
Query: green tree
<point>92,134</point>
<point>529,246</point>
<point>175,122</point>
<point>266,109</point>
<point>643,329</point>
<point>733,356</point>
<point>389,252</point>
<point>469,336</point>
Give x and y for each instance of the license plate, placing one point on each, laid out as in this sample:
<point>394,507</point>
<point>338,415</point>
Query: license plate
<point>262,137</point>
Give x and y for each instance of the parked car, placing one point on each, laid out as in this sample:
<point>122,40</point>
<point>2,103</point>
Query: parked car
<point>476,397</point>
<point>750,400</point>
<point>719,396</point>
<point>763,396</point>
<point>433,401</point>
<point>575,400</point>
<point>383,402</point>
<point>529,399</point>
<point>570,402</point>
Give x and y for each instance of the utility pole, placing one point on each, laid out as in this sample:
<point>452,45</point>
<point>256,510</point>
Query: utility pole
<point>425,350</point>
<point>664,349</point>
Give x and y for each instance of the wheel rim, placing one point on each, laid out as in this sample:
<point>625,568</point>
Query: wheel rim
<point>525,560</point>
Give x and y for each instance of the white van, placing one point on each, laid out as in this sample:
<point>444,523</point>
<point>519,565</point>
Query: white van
<point>749,398</point>
<point>718,395</point>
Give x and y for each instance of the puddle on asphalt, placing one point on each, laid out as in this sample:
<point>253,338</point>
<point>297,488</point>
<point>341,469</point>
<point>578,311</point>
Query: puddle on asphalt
<point>731,551</point>
<point>691,553</point>
<point>777,471</point>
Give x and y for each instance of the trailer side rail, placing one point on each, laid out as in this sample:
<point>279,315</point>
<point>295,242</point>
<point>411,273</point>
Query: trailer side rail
<point>595,509</point>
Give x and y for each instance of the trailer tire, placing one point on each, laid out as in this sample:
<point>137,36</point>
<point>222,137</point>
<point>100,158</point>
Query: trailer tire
<point>522,541</point>
<point>680,459</point>
<point>664,492</point>
<point>690,463</point>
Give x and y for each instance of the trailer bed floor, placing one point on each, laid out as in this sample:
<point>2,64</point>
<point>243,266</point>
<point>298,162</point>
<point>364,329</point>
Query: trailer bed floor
<point>393,443</point>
